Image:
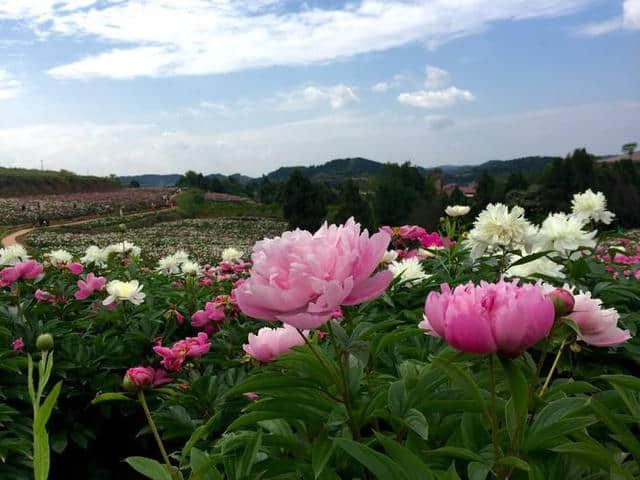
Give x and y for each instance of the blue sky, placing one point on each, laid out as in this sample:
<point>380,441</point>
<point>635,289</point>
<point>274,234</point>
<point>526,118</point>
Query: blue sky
<point>139,86</point>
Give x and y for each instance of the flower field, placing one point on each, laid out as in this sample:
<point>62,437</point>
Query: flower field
<point>197,350</point>
<point>27,210</point>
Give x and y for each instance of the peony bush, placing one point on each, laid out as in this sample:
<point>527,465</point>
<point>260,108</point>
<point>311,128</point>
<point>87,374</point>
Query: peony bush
<point>506,351</point>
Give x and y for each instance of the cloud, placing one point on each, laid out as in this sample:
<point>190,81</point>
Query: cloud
<point>436,98</point>
<point>436,78</point>
<point>381,87</point>
<point>200,37</point>
<point>629,20</point>
<point>9,85</point>
<point>438,122</point>
<point>336,96</point>
<point>145,148</point>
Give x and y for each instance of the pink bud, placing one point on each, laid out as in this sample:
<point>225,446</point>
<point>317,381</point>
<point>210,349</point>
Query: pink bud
<point>563,301</point>
<point>17,345</point>
<point>75,268</point>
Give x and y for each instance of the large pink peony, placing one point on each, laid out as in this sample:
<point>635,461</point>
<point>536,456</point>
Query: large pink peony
<point>270,343</point>
<point>491,318</point>
<point>27,270</point>
<point>598,326</point>
<point>300,278</point>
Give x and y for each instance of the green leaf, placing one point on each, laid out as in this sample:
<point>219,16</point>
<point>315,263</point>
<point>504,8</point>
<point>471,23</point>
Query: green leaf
<point>197,434</point>
<point>243,469</point>
<point>529,258</point>
<point>321,452</point>
<point>515,462</point>
<point>478,471</point>
<point>44,412</point>
<point>397,398</point>
<point>377,463</point>
<point>41,459</point>
<point>518,386</point>
<point>149,467</point>
<point>460,377</point>
<point>623,434</point>
<point>627,381</point>
<point>109,397</point>
<point>417,422</point>
<point>202,467</point>
<point>414,467</point>
<point>457,452</point>
<point>545,437</point>
<point>594,455</point>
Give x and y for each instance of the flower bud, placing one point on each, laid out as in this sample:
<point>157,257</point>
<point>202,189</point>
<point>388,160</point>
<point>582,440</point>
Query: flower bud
<point>563,301</point>
<point>44,342</point>
<point>128,385</point>
<point>122,227</point>
<point>138,378</point>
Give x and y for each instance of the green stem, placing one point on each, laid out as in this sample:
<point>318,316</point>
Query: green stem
<point>152,425</point>
<point>553,367</point>
<point>493,416</point>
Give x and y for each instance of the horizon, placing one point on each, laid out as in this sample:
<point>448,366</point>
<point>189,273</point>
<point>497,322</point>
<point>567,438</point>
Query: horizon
<point>215,86</point>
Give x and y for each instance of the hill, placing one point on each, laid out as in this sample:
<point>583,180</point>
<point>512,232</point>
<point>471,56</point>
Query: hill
<point>151,180</point>
<point>18,182</point>
<point>498,168</point>
<point>334,170</point>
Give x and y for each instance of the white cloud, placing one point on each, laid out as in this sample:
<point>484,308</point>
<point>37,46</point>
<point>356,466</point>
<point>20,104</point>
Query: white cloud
<point>435,98</point>
<point>629,20</point>
<point>336,96</point>
<point>438,122</point>
<point>9,85</point>
<point>381,87</point>
<point>437,78</point>
<point>134,149</point>
<point>198,37</point>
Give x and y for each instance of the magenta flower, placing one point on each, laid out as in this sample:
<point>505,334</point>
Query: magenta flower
<point>213,312</point>
<point>45,297</point>
<point>270,343</point>
<point>89,285</point>
<point>598,326</point>
<point>191,347</point>
<point>27,270</point>
<point>145,377</point>
<point>491,318</point>
<point>75,268</point>
<point>301,278</point>
<point>17,345</point>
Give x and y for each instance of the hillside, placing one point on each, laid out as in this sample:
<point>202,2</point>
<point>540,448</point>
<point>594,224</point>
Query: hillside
<point>499,168</point>
<point>333,170</point>
<point>151,180</point>
<point>18,182</point>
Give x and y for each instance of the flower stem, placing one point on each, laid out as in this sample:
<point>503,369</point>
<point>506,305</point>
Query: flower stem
<point>493,416</point>
<point>152,425</point>
<point>553,367</point>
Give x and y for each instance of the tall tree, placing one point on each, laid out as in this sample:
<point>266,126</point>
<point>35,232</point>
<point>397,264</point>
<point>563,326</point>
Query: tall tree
<point>352,204</point>
<point>304,204</point>
<point>629,148</point>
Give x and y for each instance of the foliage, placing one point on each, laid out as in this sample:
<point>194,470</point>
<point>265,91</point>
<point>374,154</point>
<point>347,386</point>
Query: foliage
<point>353,204</point>
<point>396,190</point>
<point>304,204</point>
<point>21,181</point>
<point>190,202</point>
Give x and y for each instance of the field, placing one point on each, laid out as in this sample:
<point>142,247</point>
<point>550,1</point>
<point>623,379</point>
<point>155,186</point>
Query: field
<point>487,349</point>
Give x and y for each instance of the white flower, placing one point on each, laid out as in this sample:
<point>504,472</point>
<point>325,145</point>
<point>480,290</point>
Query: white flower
<point>124,247</point>
<point>169,265</point>
<point>496,226</point>
<point>389,256</point>
<point>96,255</point>
<point>563,233</point>
<point>539,266</point>
<point>13,254</point>
<point>424,253</point>
<point>124,291</point>
<point>181,256</point>
<point>230,254</point>
<point>457,210</point>
<point>409,270</point>
<point>59,257</point>
<point>591,206</point>
<point>190,268</point>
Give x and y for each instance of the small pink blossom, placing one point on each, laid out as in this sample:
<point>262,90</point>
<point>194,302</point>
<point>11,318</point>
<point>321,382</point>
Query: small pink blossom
<point>17,345</point>
<point>27,270</point>
<point>89,285</point>
<point>270,343</point>
<point>145,377</point>
<point>75,268</point>
<point>253,396</point>
<point>598,326</point>
<point>191,347</point>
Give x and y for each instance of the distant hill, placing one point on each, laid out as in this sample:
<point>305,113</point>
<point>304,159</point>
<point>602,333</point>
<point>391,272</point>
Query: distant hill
<point>17,182</point>
<point>151,180</point>
<point>333,170</point>
<point>499,168</point>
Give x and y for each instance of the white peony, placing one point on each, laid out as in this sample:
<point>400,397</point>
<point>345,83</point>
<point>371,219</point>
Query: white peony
<point>409,271</point>
<point>497,226</point>
<point>457,210</point>
<point>13,254</point>
<point>591,206</point>
<point>564,234</point>
<point>124,247</point>
<point>96,255</point>
<point>181,256</point>
<point>539,266</point>
<point>424,253</point>
<point>231,254</point>
<point>59,257</point>
<point>389,256</point>
<point>124,291</point>
<point>190,268</point>
<point>169,265</point>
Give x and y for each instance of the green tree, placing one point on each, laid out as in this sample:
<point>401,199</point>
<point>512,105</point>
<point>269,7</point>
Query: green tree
<point>190,202</point>
<point>396,190</point>
<point>134,183</point>
<point>352,204</point>
<point>304,205</point>
<point>629,148</point>
<point>486,190</point>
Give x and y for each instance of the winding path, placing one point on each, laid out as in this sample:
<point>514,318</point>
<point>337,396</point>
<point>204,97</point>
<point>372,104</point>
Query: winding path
<point>12,238</point>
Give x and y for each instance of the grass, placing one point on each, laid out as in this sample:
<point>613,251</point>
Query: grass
<point>21,181</point>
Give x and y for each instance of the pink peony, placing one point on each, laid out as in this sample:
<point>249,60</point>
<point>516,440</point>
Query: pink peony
<point>563,301</point>
<point>27,270</point>
<point>45,297</point>
<point>75,268</point>
<point>89,285</point>
<point>17,345</point>
<point>191,347</point>
<point>270,343</point>
<point>598,326</point>
<point>145,377</point>
<point>213,312</point>
<point>493,317</point>
<point>301,278</point>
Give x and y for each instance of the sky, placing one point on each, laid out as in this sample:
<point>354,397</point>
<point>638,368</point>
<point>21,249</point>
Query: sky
<point>232,86</point>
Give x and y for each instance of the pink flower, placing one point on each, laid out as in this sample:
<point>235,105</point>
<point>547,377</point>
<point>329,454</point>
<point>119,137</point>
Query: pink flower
<point>213,312</point>
<point>493,317</point>
<point>17,345</point>
<point>253,396</point>
<point>300,278</point>
<point>45,297</point>
<point>563,301</point>
<point>598,326</point>
<point>27,270</point>
<point>75,268</point>
<point>431,240</point>
<point>270,343</point>
<point>191,347</point>
<point>145,377</point>
<point>89,285</point>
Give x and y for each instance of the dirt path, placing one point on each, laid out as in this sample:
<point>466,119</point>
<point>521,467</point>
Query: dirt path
<point>13,237</point>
